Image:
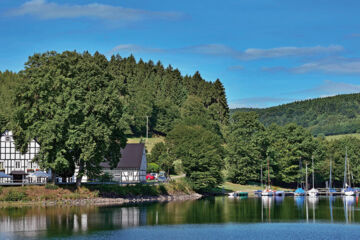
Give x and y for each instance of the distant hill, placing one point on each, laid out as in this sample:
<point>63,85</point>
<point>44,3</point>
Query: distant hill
<point>329,116</point>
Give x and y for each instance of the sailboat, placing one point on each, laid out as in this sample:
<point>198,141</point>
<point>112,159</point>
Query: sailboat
<point>300,191</point>
<point>331,190</point>
<point>267,191</point>
<point>313,192</point>
<point>347,190</point>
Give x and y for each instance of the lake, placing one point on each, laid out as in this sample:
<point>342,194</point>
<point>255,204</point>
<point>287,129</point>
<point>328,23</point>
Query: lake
<point>209,218</point>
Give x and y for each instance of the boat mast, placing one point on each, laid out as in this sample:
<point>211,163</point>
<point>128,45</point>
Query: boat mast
<point>312,159</point>
<point>306,180</point>
<point>301,176</point>
<point>261,177</point>
<point>348,165</point>
<point>268,171</point>
<point>345,179</point>
<point>330,174</point>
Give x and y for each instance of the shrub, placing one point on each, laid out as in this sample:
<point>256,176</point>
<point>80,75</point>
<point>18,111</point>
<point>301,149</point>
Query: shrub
<point>178,167</point>
<point>1,190</point>
<point>153,168</point>
<point>13,196</point>
<point>51,186</point>
<point>105,177</point>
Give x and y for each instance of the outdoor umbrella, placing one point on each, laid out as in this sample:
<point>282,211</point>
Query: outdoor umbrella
<point>3,175</point>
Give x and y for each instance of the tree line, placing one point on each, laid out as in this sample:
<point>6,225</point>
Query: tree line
<point>82,107</point>
<point>323,116</point>
<point>246,145</point>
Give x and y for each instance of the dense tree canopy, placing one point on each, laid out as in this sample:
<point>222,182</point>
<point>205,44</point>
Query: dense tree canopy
<point>8,82</point>
<point>245,147</point>
<point>81,108</point>
<point>159,93</point>
<point>73,107</point>
<point>329,116</point>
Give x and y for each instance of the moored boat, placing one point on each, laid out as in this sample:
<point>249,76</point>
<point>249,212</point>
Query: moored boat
<point>313,192</point>
<point>299,192</point>
<point>349,191</point>
<point>279,193</point>
<point>267,192</point>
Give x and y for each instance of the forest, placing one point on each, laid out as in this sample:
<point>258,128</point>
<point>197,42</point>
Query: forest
<point>82,107</point>
<point>322,116</point>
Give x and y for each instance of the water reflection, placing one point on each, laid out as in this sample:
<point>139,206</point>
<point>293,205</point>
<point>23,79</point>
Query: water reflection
<point>299,200</point>
<point>349,208</point>
<point>279,199</point>
<point>33,222</point>
<point>67,221</point>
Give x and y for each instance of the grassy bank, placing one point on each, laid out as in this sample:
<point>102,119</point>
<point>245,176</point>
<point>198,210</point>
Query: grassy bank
<point>149,144</point>
<point>233,187</point>
<point>38,194</point>
<point>336,137</point>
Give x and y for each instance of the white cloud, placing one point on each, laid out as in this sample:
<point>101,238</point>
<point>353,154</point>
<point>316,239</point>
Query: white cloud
<point>248,54</point>
<point>133,48</point>
<point>236,68</point>
<point>257,102</point>
<point>331,88</point>
<point>50,10</point>
<point>338,66</point>
<point>253,53</point>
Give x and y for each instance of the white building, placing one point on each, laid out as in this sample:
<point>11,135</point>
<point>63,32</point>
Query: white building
<point>12,162</point>
<point>132,165</point>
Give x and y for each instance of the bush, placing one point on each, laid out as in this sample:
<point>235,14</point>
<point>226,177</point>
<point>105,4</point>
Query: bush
<point>178,167</point>
<point>105,177</point>
<point>13,196</point>
<point>51,186</point>
<point>153,168</point>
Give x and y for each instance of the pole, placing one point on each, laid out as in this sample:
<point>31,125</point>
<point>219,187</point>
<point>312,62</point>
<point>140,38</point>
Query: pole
<point>268,171</point>
<point>147,128</point>
<point>306,180</point>
<point>312,159</point>
<point>348,165</point>
<point>330,175</point>
<point>345,179</point>
<point>261,177</point>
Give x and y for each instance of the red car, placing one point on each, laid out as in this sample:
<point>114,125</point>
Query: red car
<point>150,177</point>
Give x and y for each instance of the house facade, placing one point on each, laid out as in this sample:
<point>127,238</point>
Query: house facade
<point>130,169</point>
<point>12,162</point>
<point>132,165</point>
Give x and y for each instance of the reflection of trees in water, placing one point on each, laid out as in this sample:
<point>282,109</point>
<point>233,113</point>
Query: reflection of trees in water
<point>55,221</point>
<point>65,221</point>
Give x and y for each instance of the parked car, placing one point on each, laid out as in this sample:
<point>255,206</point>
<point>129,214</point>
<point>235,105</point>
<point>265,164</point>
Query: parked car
<point>162,177</point>
<point>149,177</point>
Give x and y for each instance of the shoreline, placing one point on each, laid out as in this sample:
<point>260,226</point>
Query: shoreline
<point>101,201</point>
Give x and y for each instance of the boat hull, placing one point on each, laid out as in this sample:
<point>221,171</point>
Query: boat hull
<point>267,193</point>
<point>349,193</point>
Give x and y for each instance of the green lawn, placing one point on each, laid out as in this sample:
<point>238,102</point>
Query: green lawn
<point>149,144</point>
<point>232,187</point>
<point>335,137</point>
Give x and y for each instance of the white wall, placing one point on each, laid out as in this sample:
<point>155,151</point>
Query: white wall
<point>9,156</point>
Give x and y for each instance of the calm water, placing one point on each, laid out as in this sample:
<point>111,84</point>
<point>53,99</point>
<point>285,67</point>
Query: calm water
<point>212,218</point>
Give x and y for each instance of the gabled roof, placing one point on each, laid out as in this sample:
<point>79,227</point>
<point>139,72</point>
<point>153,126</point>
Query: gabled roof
<point>131,156</point>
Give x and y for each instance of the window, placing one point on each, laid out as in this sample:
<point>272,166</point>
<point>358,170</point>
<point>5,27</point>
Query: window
<point>17,164</point>
<point>7,138</point>
<point>1,165</point>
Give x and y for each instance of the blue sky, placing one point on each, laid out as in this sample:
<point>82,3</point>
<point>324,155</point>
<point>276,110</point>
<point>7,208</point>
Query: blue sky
<point>266,52</point>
